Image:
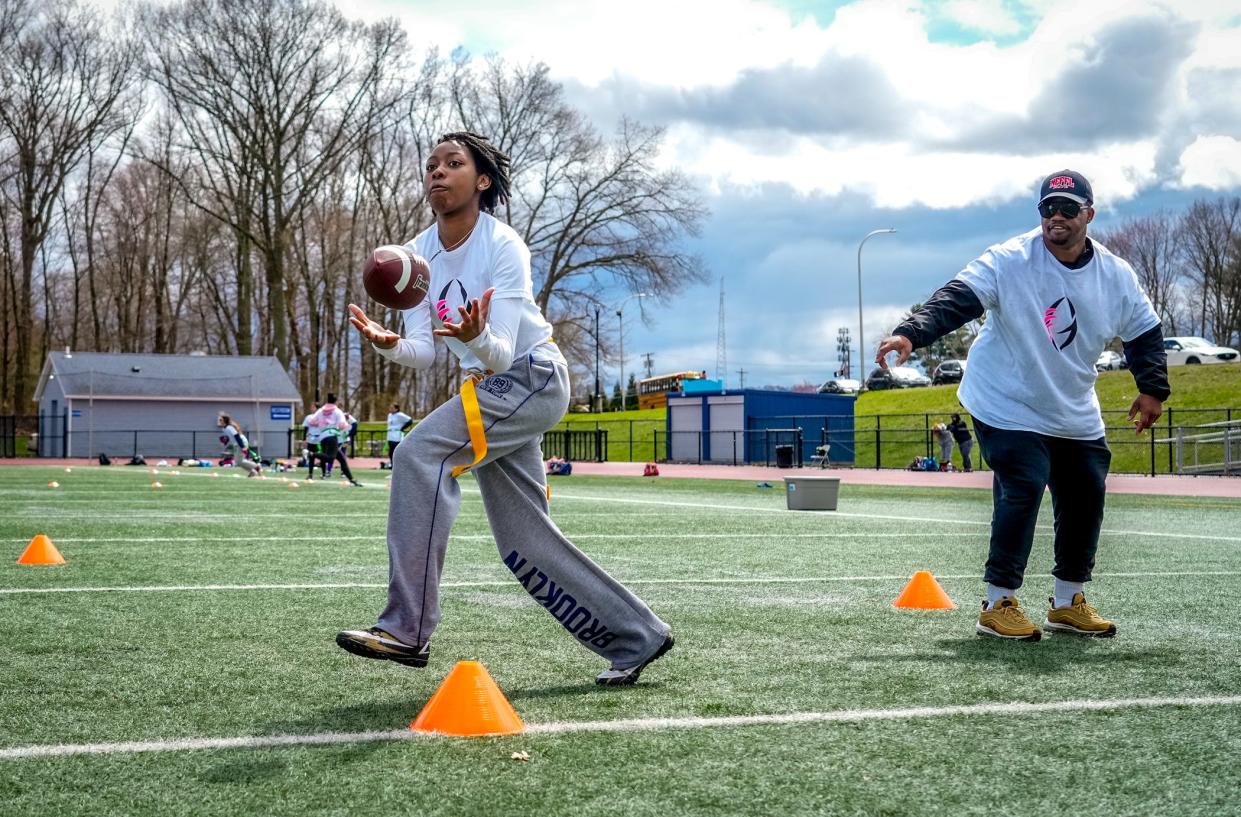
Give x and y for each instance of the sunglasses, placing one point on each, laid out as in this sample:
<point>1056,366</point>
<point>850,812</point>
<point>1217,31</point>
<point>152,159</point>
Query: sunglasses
<point>1069,209</point>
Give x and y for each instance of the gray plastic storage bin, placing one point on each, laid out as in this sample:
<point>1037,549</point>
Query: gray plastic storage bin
<point>812,493</point>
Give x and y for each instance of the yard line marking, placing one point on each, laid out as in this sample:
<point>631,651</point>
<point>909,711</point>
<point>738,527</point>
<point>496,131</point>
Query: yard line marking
<point>512,583</point>
<point>488,536</point>
<point>846,515</point>
<point>625,725</point>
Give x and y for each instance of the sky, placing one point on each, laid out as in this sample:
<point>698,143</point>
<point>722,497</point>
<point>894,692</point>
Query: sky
<point>809,124</point>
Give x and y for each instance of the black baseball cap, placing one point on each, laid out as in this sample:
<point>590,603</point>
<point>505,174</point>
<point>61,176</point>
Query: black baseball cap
<point>1066,184</point>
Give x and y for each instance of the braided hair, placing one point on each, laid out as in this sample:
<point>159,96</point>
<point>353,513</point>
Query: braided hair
<point>491,162</point>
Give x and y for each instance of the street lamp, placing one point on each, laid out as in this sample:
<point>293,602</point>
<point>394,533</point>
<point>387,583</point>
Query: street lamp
<point>861,335</point>
<point>598,401</point>
<point>620,321</point>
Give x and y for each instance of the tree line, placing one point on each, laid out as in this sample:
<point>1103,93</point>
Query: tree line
<point>207,175</point>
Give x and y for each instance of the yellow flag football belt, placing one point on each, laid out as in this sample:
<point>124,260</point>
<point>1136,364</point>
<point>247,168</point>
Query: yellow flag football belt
<point>473,424</point>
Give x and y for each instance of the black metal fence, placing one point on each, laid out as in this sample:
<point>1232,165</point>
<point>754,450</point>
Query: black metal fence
<point>584,445</point>
<point>1183,441</point>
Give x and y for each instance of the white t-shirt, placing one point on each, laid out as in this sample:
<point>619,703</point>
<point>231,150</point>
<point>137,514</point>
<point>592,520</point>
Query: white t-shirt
<point>1032,366</point>
<point>397,421</point>
<point>493,256</point>
<point>313,433</point>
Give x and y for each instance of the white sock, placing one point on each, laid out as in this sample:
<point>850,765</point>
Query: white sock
<point>995,593</point>
<point>1065,590</point>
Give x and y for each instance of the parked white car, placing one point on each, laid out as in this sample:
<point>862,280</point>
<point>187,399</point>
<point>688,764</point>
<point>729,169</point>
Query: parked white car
<point>1109,361</point>
<point>1192,351</point>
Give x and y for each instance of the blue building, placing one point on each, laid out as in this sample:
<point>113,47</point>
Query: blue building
<point>758,426</point>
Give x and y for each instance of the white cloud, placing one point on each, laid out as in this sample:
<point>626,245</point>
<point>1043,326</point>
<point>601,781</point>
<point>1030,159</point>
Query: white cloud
<point>1213,162</point>
<point>986,16</point>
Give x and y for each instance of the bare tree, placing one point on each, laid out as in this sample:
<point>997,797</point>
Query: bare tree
<point>273,96</point>
<point>1155,247</point>
<point>67,91</point>
<point>1212,235</point>
<point>598,215</point>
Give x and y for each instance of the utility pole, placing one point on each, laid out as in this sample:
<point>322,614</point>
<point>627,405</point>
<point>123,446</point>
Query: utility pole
<point>648,363</point>
<point>721,345</point>
<point>598,401</point>
<point>741,375</point>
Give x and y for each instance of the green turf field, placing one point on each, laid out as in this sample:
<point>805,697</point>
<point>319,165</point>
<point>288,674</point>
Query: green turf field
<point>861,709</point>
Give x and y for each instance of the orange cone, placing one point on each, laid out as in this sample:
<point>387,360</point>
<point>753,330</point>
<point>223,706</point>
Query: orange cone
<point>924,593</point>
<point>40,551</point>
<point>468,703</point>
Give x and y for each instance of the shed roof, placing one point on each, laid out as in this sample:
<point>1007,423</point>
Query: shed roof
<point>136,376</point>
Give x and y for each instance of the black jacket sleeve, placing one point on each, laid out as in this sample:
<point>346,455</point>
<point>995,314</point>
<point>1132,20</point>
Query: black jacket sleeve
<point>1149,363</point>
<point>950,307</point>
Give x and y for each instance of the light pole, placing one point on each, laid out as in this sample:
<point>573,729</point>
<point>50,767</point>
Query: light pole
<point>598,402</point>
<point>861,335</point>
<point>620,321</point>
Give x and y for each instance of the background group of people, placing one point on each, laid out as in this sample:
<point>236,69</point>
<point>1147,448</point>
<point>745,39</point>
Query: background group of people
<point>954,432</point>
<point>328,429</point>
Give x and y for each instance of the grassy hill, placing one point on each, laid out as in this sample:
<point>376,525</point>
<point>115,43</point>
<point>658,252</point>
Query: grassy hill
<point>1193,387</point>
<point>892,426</point>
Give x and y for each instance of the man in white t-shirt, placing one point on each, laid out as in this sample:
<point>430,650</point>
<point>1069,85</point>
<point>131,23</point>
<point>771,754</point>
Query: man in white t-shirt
<point>1054,299</point>
<point>398,421</point>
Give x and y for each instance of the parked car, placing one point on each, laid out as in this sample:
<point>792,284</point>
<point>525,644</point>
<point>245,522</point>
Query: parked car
<point>897,377</point>
<point>1109,361</point>
<point>948,371</point>
<point>840,385</point>
<point>1192,351</point>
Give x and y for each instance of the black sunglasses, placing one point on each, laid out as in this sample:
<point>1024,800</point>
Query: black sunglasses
<point>1069,209</point>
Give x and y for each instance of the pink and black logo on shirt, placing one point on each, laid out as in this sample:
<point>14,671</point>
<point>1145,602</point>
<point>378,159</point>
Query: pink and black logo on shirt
<point>1060,321</point>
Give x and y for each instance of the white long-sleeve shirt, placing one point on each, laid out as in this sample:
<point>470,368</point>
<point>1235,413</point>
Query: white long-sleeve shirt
<point>493,256</point>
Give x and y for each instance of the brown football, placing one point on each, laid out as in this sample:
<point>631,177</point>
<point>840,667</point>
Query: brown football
<point>396,277</point>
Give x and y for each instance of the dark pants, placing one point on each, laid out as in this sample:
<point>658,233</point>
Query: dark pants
<point>1024,463</point>
<point>312,454</point>
<point>333,452</point>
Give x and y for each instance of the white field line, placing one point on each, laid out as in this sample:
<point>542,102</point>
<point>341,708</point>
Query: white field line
<point>628,725</point>
<point>697,506</point>
<point>511,583</point>
<point>487,536</point>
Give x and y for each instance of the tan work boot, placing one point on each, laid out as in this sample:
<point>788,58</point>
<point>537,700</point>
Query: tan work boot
<point>1079,618</point>
<point>1006,620</point>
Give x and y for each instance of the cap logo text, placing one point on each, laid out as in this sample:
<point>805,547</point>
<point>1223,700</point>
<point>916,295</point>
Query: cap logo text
<point>1062,183</point>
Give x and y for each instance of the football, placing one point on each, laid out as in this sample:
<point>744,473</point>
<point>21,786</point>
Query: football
<point>396,277</point>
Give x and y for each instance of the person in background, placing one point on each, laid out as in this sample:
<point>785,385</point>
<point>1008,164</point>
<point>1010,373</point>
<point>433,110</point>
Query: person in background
<point>311,437</point>
<point>961,433</point>
<point>238,445</point>
<point>398,423</point>
<point>333,428</point>
<point>944,437</point>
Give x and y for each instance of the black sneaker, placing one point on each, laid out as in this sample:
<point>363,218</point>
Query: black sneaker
<point>380,644</point>
<point>613,677</point>
<point>355,483</point>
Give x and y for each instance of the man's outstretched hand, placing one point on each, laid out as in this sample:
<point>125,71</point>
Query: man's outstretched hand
<point>900,344</point>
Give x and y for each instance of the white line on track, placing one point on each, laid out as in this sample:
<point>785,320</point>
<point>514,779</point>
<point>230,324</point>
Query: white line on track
<point>177,588</point>
<point>628,725</point>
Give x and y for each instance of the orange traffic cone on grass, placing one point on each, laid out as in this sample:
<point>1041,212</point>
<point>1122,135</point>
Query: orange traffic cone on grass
<point>40,551</point>
<point>468,703</point>
<point>924,593</point>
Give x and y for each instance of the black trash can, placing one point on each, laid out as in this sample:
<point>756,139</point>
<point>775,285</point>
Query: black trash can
<point>784,456</point>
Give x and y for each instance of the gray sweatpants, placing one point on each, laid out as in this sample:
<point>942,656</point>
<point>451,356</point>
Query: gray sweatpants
<point>517,406</point>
